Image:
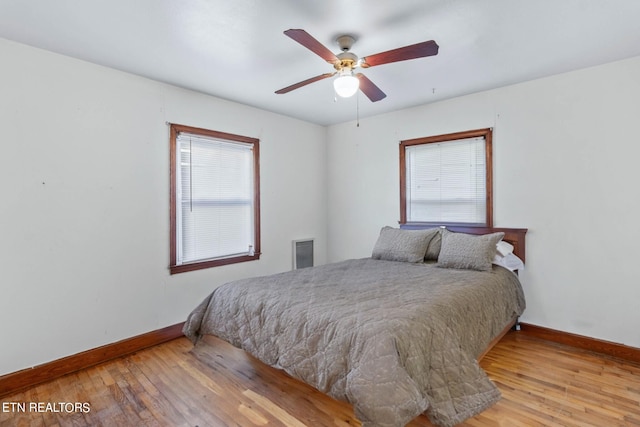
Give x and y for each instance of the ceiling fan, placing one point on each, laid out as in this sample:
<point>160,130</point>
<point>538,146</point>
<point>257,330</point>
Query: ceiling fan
<point>344,63</point>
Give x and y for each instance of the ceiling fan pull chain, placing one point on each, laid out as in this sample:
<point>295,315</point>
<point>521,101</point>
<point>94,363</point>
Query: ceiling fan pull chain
<point>358,109</point>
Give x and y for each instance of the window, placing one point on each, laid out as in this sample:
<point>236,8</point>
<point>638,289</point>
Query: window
<point>215,202</point>
<point>447,179</point>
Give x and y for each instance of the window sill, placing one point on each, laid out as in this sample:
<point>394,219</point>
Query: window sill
<point>183,268</point>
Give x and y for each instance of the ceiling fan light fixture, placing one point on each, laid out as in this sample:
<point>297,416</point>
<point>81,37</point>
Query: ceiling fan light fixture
<point>346,85</point>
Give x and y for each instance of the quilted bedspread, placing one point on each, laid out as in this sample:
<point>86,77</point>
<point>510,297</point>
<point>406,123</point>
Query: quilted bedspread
<point>395,339</point>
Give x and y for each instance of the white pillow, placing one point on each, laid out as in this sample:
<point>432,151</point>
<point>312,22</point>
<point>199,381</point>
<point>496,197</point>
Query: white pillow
<point>509,261</point>
<point>504,248</point>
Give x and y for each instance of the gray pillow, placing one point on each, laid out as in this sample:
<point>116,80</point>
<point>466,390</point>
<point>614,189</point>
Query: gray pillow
<point>468,251</point>
<point>434,247</point>
<point>395,244</point>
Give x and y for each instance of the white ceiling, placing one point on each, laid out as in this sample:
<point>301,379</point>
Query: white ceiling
<point>235,49</point>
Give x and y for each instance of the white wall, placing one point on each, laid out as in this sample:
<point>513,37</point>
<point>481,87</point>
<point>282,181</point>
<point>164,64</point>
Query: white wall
<point>84,211</point>
<point>566,153</point>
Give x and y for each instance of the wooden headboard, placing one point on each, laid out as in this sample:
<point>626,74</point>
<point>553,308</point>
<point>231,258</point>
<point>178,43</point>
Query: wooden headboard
<point>514,236</point>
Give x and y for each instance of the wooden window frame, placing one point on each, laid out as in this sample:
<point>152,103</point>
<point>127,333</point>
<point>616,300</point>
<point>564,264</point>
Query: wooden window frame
<point>175,129</point>
<point>487,134</point>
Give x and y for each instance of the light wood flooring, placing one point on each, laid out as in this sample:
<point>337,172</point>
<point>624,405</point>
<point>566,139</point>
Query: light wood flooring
<point>214,384</point>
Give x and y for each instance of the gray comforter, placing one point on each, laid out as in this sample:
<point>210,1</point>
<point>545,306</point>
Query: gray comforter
<point>395,339</point>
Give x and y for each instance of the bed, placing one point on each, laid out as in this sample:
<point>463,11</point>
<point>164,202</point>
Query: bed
<point>396,334</point>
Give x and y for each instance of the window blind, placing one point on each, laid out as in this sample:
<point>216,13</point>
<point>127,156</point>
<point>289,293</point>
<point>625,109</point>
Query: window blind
<point>446,182</point>
<point>214,198</point>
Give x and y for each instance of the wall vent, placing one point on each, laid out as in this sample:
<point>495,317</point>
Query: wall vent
<point>302,253</point>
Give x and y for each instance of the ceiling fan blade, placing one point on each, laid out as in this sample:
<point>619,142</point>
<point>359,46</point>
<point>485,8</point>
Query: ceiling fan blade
<point>418,50</point>
<point>305,82</point>
<point>306,40</point>
<point>367,87</point>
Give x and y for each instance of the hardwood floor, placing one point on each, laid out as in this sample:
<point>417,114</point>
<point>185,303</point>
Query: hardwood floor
<point>215,384</point>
